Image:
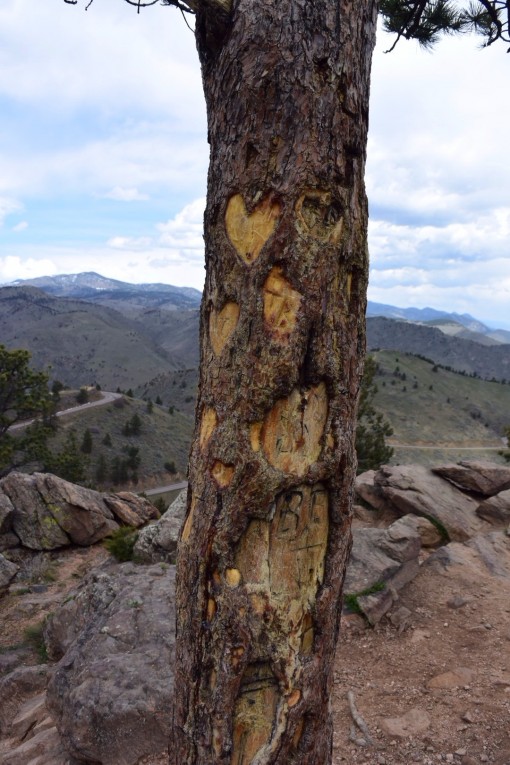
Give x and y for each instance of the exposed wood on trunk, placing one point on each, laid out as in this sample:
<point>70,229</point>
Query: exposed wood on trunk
<point>267,535</point>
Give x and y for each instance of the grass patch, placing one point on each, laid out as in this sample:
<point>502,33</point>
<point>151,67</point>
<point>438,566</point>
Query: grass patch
<point>445,537</point>
<point>34,635</point>
<point>351,599</point>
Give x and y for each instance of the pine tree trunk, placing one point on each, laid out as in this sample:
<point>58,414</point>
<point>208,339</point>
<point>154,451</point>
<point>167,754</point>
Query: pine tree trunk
<point>267,535</point>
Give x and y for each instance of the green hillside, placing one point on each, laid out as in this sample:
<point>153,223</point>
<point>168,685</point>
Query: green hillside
<point>163,439</point>
<point>449,416</point>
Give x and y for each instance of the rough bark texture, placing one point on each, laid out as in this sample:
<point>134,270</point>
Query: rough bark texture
<point>267,534</point>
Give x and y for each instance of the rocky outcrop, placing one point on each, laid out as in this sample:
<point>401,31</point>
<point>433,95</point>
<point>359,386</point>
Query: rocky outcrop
<point>16,689</point>
<point>485,554</point>
<point>496,509</point>
<point>420,491</point>
<point>477,477</point>
<point>382,561</point>
<point>111,692</point>
<point>8,571</point>
<point>44,512</point>
<point>29,732</point>
<point>158,542</point>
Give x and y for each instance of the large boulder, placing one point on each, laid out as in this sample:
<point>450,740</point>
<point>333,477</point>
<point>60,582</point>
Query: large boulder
<point>382,561</point>
<point>483,554</point>
<point>496,509</point>
<point>111,692</point>
<point>49,512</point>
<point>479,477</point>
<point>418,490</point>
<point>158,542</point>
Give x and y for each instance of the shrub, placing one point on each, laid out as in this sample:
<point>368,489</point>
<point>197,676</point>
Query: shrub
<point>121,543</point>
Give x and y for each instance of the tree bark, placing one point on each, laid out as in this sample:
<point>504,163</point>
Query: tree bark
<point>267,535</point>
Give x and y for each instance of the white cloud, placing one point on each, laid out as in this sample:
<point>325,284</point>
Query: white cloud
<point>129,242</point>
<point>7,207</point>
<point>21,226</point>
<point>183,234</point>
<point>14,267</point>
<point>109,104</point>
<point>121,194</point>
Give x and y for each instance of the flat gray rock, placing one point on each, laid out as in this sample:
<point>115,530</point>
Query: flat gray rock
<point>496,509</point>
<point>479,477</point>
<point>418,490</point>
<point>158,542</point>
<point>386,557</point>
<point>486,553</point>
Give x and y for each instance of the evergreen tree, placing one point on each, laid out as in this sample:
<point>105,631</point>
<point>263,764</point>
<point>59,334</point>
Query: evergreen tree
<point>82,396</point>
<point>68,463</point>
<point>86,444</point>
<point>24,396</point>
<point>372,429</point>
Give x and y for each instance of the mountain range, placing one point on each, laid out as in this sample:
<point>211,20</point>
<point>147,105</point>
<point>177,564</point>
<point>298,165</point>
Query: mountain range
<point>89,328</point>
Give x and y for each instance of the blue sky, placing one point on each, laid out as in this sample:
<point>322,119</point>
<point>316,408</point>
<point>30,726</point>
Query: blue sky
<point>103,157</point>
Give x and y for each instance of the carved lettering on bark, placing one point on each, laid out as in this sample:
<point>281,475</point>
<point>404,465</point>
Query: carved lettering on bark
<point>221,326</point>
<point>281,304</point>
<point>282,561</point>
<point>207,426</point>
<point>249,232</point>
<point>318,216</point>
<point>254,713</point>
<point>281,564</point>
<point>292,431</point>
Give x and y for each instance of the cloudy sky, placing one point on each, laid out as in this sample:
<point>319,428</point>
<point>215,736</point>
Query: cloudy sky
<point>103,157</point>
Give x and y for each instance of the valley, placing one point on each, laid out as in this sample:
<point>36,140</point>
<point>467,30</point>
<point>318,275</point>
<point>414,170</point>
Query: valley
<point>442,380</point>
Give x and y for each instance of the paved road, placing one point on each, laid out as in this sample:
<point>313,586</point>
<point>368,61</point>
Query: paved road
<point>106,398</point>
<point>163,489</point>
<point>448,448</point>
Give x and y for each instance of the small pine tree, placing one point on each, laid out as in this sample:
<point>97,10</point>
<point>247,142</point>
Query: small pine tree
<point>372,429</point>
<point>107,440</point>
<point>69,462</point>
<point>86,444</point>
<point>82,396</point>
<point>150,406</point>
<point>159,402</point>
<point>136,425</point>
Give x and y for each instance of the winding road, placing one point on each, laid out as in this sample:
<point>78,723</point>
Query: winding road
<point>106,398</point>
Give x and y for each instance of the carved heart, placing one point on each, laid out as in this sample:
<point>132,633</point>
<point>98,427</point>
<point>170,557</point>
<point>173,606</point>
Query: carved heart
<point>221,326</point>
<point>249,232</point>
